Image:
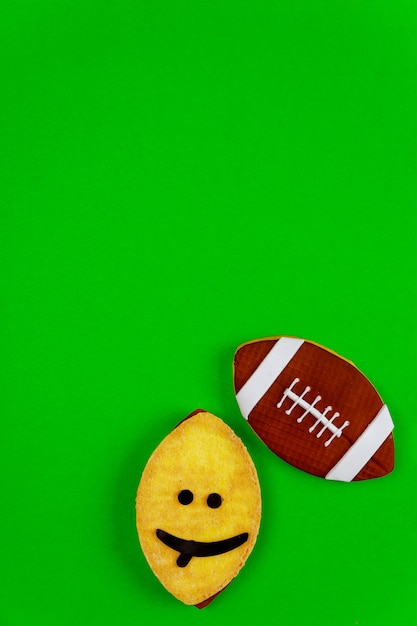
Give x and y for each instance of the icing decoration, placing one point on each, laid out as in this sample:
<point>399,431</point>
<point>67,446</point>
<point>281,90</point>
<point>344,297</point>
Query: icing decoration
<point>314,409</point>
<point>364,447</point>
<point>310,409</point>
<point>266,373</point>
<point>185,496</point>
<point>190,548</point>
<point>198,508</point>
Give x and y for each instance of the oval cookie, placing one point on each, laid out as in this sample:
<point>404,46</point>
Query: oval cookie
<point>198,508</point>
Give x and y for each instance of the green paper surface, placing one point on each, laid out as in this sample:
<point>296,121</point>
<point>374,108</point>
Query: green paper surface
<point>177,179</point>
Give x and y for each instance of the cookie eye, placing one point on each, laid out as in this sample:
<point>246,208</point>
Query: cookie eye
<point>185,496</point>
<point>214,500</point>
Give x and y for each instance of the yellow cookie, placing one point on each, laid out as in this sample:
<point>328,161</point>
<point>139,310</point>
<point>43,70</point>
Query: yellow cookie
<point>198,508</point>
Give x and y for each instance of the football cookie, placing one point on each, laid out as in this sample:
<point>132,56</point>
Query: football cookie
<point>314,409</point>
<point>198,508</point>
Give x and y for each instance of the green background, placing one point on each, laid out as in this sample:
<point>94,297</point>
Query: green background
<point>176,179</point>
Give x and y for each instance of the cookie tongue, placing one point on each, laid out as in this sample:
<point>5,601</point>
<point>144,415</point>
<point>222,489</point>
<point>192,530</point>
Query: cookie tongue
<point>184,559</point>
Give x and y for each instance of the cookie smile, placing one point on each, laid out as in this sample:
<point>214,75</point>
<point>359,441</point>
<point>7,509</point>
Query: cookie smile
<point>188,548</point>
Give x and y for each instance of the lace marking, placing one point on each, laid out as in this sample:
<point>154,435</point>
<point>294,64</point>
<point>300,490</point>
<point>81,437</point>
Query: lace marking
<point>310,409</point>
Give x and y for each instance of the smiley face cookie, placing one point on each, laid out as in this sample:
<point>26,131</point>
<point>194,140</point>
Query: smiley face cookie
<point>198,508</point>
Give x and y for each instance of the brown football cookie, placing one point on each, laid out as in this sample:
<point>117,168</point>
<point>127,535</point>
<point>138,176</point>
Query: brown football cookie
<point>314,409</point>
<point>198,508</point>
